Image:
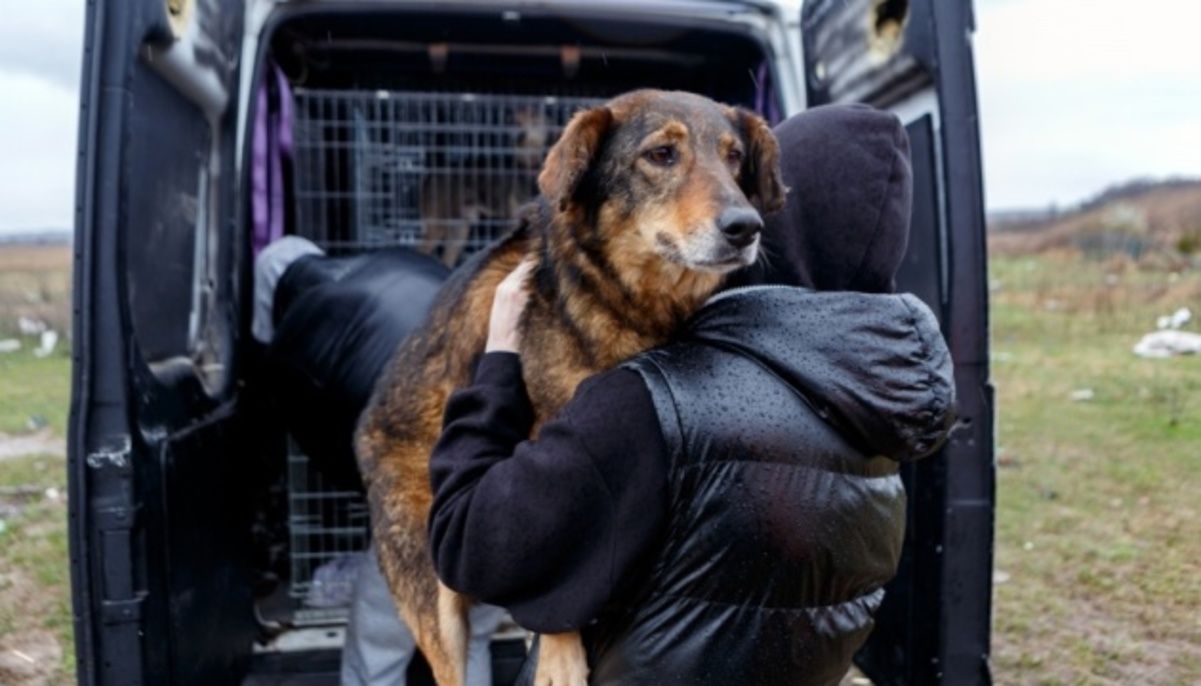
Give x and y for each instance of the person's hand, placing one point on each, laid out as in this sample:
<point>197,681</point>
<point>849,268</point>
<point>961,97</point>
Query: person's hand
<point>507,306</point>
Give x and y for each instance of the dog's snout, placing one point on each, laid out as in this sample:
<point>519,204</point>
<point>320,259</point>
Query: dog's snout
<point>740,225</point>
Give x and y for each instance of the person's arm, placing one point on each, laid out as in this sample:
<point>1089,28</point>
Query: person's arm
<point>550,528</point>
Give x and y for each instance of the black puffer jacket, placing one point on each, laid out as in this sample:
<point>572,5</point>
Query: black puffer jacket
<point>785,413</point>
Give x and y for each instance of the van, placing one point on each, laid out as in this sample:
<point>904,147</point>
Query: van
<point>205,548</point>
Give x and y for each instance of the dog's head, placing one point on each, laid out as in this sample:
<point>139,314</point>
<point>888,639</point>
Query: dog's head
<point>668,174</point>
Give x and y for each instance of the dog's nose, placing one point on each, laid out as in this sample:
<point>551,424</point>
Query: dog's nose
<point>740,225</point>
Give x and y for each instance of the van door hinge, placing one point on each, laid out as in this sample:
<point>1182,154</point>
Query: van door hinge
<point>113,516</point>
<point>121,611</point>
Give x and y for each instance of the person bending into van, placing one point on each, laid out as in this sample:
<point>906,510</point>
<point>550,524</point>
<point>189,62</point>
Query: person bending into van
<point>329,325</point>
<point>726,509</point>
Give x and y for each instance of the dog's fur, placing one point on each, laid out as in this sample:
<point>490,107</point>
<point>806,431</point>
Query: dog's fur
<point>626,249</point>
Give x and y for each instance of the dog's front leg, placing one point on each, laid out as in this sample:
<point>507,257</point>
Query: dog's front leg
<point>561,660</point>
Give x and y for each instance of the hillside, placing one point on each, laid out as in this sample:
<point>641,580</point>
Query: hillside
<point>1134,218</point>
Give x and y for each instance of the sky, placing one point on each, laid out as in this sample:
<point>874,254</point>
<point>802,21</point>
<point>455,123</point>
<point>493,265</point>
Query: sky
<point>1075,95</point>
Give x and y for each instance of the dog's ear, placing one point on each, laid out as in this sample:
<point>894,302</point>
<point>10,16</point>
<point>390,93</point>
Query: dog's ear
<point>571,155</point>
<point>760,178</point>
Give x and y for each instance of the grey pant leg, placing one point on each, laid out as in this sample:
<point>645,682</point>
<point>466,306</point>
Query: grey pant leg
<point>379,646</point>
<point>484,621</point>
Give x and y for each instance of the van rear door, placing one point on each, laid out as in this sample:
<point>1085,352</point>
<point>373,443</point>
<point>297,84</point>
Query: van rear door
<point>155,450</point>
<point>914,57</point>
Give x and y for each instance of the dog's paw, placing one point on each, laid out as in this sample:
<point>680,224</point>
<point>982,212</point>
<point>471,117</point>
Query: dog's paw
<point>561,661</point>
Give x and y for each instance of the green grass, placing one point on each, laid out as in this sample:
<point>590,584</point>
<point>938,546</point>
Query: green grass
<point>1098,533</point>
<point>34,389</point>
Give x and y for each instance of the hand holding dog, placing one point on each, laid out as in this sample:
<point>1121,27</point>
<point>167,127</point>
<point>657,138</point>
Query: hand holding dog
<point>507,306</point>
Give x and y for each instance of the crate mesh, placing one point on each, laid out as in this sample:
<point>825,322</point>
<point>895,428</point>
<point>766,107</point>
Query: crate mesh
<point>441,172</point>
<point>326,527</point>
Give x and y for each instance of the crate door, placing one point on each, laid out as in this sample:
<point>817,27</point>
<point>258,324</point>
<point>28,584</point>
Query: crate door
<point>157,524</point>
<point>914,57</point>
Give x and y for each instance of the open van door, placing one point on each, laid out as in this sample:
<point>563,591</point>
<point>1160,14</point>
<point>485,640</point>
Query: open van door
<point>914,57</point>
<point>154,445</point>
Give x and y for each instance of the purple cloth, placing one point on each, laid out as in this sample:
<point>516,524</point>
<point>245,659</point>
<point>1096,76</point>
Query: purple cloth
<point>765,95</point>
<point>272,148</point>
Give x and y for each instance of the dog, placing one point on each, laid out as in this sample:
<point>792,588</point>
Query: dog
<point>646,203</point>
<point>454,200</point>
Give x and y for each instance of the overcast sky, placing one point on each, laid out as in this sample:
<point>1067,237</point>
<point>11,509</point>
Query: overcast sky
<point>1074,95</point>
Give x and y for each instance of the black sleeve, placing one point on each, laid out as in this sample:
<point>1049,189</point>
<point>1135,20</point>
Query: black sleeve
<point>549,529</point>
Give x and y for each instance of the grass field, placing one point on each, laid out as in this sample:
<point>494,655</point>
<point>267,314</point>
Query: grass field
<point>1098,535</point>
<point>1098,530</point>
<point>35,605</point>
<point>35,281</point>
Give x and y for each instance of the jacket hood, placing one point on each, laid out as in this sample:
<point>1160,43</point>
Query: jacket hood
<point>845,223</point>
<point>875,366</point>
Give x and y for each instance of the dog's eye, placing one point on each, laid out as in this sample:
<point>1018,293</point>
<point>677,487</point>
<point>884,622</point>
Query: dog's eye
<point>734,157</point>
<point>663,156</point>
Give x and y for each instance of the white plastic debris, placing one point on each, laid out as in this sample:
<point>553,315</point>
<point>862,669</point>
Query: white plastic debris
<point>333,582</point>
<point>9,345</point>
<point>1082,395</point>
<point>1174,321</point>
<point>48,343</point>
<point>1168,343</point>
<point>29,326</point>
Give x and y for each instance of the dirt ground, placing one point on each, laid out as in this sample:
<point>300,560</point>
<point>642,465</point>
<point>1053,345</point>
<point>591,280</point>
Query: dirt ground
<point>35,616</point>
<point>42,442</point>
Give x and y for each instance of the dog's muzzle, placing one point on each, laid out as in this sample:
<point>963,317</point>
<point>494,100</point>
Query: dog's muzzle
<point>740,225</point>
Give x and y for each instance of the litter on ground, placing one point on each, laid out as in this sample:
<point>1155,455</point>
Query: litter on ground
<point>1168,343</point>
<point>47,344</point>
<point>30,326</point>
<point>1176,320</point>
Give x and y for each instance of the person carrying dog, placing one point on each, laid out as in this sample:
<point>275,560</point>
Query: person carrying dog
<point>726,509</point>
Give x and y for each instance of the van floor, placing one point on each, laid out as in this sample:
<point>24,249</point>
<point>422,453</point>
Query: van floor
<point>308,668</point>
<point>321,667</point>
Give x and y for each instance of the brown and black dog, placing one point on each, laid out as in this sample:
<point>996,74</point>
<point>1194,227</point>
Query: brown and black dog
<point>646,203</point>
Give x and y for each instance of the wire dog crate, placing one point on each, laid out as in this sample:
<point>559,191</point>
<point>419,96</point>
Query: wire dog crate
<point>443,172</point>
<point>327,528</point>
